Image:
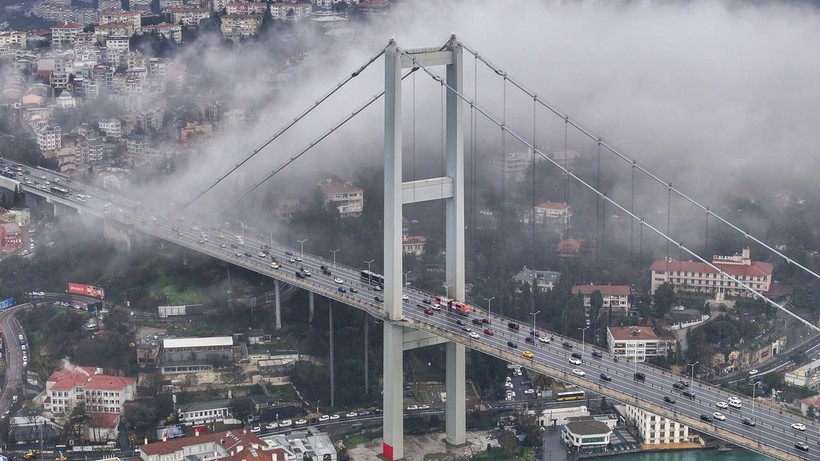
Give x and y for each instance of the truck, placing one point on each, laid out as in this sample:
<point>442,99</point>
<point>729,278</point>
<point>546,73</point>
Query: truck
<point>456,306</point>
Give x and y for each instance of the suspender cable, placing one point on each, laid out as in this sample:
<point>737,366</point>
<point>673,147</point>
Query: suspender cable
<point>614,203</point>
<point>645,170</point>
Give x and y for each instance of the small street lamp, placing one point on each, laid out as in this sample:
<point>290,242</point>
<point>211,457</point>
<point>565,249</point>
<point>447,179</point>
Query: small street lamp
<point>583,341</point>
<point>489,309</point>
<point>406,280</point>
<point>692,376</point>
<point>334,257</point>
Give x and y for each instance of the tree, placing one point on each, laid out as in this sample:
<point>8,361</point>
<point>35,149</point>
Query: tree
<point>508,442</point>
<point>663,299</point>
<point>242,408</point>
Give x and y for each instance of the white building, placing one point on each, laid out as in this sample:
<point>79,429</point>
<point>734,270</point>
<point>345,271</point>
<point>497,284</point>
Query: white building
<point>637,343</point>
<point>614,296</point>
<point>413,244</point>
<point>578,435</point>
<point>49,138</point>
<point>698,277</point>
<point>543,280</point>
<point>65,100</point>
<point>112,127</point>
<point>807,375</point>
<point>63,35</point>
<point>345,197</point>
<point>100,393</point>
<point>655,429</point>
<point>553,214</point>
<point>553,416</point>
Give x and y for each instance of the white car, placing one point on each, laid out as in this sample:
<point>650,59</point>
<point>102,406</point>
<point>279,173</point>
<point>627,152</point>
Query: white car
<point>412,407</point>
<point>334,417</point>
<point>578,371</point>
<point>285,423</point>
<point>529,391</point>
<point>436,307</point>
<point>799,426</point>
<point>338,280</point>
<point>352,414</point>
<point>753,371</point>
<point>574,361</point>
<point>474,335</point>
<point>405,298</point>
<point>735,403</point>
<point>424,407</point>
<point>324,418</point>
<point>544,339</point>
<point>300,422</point>
<point>719,416</point>
<point>256,429</point>
<point>722,405</point>
<point>271,426</point>
<point>274,265</point>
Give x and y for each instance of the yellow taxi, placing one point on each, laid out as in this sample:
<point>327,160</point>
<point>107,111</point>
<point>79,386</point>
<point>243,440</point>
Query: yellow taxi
<point>528,354</point>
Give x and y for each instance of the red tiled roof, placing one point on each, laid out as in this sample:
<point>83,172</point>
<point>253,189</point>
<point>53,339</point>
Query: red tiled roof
<point>106,382</point>
<point>67,25</point>
<point>627,333</point>
<point>106,420</point>
<point>755,269</point>
<point>606,290</point>
<point>228,440</point>
<point>69,378</point>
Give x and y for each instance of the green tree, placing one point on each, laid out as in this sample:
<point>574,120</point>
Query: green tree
<point>663,299</point>
<point>242,408</point>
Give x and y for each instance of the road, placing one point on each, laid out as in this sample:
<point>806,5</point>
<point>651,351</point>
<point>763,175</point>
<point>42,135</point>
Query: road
<point>14,356</point>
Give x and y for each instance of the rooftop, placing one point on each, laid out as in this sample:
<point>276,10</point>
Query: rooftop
<point>606,290</point>
<point>634,333</point>
<point>172,343</point>
<point>588,428</point>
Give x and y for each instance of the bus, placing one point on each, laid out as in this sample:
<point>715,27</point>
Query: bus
<point>372,278</point>
<point>569,395</point>
<point>59,190</point>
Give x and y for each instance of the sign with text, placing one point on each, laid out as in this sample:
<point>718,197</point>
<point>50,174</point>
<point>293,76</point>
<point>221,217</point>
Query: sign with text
<point>85,290</point>
<point>8,302</point>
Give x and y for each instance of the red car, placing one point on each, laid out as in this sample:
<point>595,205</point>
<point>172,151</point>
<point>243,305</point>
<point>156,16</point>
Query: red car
<point>428,311</point>
<point>488,332</point>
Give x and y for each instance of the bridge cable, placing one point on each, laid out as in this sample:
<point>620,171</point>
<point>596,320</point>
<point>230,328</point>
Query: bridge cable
<point>313,144</point>
<point>616,152</point>
<point>623,209</point>
<point>296,120</point>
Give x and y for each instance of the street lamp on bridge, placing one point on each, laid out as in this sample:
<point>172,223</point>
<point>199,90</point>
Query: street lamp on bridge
<point>334,256</point>
<point>489,309</point>
<point>583,341</point>
<point>302,248</point>
<point>692,376</point>
<point>369,279</point>
<point>533,314</point>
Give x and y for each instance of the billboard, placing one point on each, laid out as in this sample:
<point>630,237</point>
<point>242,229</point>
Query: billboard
<point>8,302</point>
<point>85,290</point>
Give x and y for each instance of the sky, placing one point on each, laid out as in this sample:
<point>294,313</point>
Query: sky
<point>718,98</point>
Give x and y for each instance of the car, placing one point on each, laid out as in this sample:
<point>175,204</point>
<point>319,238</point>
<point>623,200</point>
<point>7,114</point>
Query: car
<point>749,422</point>
<point>753,371</point>
<point>428,311</point>
<point>292,260</point>
<point>326,271</point>
<point>799,426</point>
<point>512,344</point>
<point>285,423</point>
<point>578,372</point>
<point>351,414</point>
<point>574,361</point>
<point>606,377</point>
<point>466,329</point>
<point>474,335</point>
<point>378,299</point>
<point>353,290</point>
<point>527,354</point>
<point>272,426</point>
<point>405,298</point>
<point>597,354</point>
<point>289,253</point>
<point>577,355</point>
<point>488,332</point>
<point>485,321</point>
<point>529,339</point>
<point>324,418</point>
<point>513,326</point>
<point>544,339</point>
<point>299,258</point>
<point>529,391</point>
<point>689,394</point>
<point>338,280</point>
<point>436,307</point>
<point>801,446</point>
<point>334,417</point>
<point>722,405</point>
<point>567,345</point>
<point>459,322</point>
<point>274,265</point>
<point>248,254</point>
<point>426,301</point>
<point>735,404</point>
<point>412,408</point>
<point>306,272</point>
<point>300,275</point>
<point>640,377</point>
<point>707,418</point>
<point>262,254</point>
<point>300,422</point>
<point>256,429</point>
<point>679,385</point>
<point>668,399</point>
<point>719,416</point>
<point>342,290</point>
<point>424,407</point>
<point>477,322</point>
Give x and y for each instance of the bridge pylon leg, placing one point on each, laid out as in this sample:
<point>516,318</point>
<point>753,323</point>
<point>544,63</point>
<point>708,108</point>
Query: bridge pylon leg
<point>278,305</point>
<point>393,440</point>
<point>454,412</point>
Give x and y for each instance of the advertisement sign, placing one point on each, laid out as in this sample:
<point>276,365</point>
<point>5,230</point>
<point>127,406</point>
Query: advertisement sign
<point>8,302</point>
<point>85,290</point>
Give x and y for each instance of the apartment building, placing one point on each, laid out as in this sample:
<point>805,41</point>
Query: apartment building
<point>63,35</point>
<point>637,343</point>
<point>615,296</point>
<point>699,277</point>
<point>290,11</point>
<point>49,138</point>
<point>541,280</point>
<point>345,197</point>
<point>237,26</point>
<point>13,39</point>
<point>187,16</point>
<point>655,429</point>
<point>100,393</point>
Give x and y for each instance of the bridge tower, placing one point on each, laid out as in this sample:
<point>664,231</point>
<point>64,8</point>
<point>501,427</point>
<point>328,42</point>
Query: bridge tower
<point>449,188</point>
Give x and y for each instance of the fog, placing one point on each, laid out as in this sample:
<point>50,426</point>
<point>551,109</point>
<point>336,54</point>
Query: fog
<point>718,98</point>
